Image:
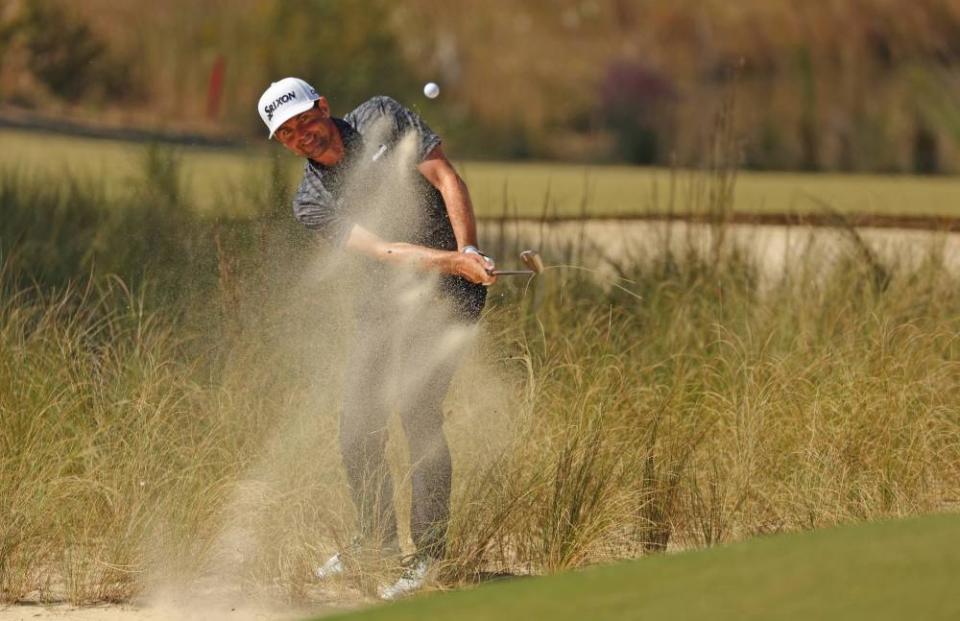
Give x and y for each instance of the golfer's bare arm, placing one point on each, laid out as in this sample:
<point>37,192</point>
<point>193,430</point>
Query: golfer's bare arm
<point>440,173</point>
<point>438,170</point>
<point>469,266</point>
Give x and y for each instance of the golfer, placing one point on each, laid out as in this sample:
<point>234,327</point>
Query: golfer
<point>377,185</point>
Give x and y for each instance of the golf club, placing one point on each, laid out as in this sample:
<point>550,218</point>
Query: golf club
<point>530,258</point>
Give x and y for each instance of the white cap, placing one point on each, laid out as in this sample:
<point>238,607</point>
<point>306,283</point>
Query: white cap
<point>284,99</point>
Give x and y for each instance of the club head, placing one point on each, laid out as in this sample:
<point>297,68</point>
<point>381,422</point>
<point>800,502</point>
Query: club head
<point>531,258</point>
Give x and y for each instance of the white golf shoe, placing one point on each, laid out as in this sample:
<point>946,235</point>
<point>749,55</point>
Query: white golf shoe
<point>336,565</point>
<point>333,567</point>
<point>414,576</point>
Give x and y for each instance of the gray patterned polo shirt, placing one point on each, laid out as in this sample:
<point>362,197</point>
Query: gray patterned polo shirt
<point>376,183</point>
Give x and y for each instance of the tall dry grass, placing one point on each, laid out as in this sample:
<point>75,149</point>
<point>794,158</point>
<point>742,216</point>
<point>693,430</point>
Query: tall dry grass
<point>709,411</point>
<point>149,442</point>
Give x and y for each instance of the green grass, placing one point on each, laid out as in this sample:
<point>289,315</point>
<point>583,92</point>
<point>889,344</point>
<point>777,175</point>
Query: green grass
<point>213,176</point>
<point>219,179</point>
<point>887,570</point>
<point>623,190</point>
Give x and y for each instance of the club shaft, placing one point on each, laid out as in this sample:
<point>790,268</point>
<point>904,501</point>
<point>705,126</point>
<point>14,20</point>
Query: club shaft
<point>512,272</point>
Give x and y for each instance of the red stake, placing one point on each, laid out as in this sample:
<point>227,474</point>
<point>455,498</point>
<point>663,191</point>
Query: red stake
<point>215,88</point>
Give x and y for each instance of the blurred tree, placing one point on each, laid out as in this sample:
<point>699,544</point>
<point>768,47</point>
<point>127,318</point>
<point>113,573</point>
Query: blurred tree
<point>835,84</point>
<point>809,122</point>
<point>63,50</point>
<point>925,155</point>
<point>63,53</point>
<point>634,103</point>
<point>8,28</point>
<point>346,49</point>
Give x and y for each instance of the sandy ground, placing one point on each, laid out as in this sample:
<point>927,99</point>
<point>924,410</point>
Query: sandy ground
<point>208,599</point>
<point>773,246</point>
<point>184,609</point>
<point>64,612</point>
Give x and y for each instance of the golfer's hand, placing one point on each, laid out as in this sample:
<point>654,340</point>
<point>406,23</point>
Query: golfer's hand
<point>476,269</point>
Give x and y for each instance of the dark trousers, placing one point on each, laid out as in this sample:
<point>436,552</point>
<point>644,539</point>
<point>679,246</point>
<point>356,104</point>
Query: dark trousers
<point>407,349</point>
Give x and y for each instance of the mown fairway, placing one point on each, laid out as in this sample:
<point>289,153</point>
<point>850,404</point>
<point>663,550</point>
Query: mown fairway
<point>891,570</point>
<point>219,178</point>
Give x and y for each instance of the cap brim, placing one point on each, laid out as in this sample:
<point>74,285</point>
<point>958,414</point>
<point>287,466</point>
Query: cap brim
<point>290,112</point>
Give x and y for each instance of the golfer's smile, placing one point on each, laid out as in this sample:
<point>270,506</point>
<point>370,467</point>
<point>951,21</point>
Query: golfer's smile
<point>313,135</point>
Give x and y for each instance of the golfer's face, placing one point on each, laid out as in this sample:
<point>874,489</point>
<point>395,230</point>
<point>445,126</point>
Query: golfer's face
<point>312,134</point>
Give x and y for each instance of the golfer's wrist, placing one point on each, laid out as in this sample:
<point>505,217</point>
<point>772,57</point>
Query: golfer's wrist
<point>461,264</point>
<point>471,249</point>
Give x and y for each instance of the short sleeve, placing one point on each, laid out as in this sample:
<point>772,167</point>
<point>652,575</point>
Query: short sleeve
<point>401,120</point>
<point>316,208</point>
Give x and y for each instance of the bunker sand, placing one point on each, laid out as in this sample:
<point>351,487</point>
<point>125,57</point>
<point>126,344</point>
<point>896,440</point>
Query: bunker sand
<point>130,612</point>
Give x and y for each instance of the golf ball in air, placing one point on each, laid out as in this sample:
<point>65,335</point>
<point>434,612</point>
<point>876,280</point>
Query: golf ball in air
<point>431,90</point>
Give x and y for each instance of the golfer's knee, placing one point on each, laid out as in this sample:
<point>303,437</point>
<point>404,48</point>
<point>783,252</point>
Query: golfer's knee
<point>429,446</point>
<point>362,445</point>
